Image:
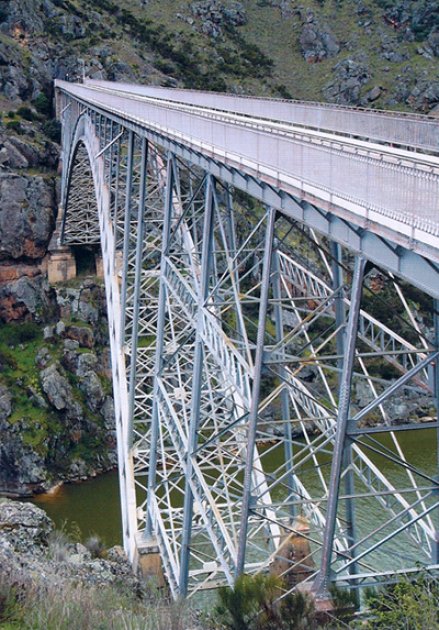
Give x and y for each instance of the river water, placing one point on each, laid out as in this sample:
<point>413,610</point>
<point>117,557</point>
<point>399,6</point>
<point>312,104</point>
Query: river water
<point>93,506</point>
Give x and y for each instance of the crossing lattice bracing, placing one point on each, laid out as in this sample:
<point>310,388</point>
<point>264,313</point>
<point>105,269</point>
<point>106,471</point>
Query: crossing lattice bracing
<point>254,362</point>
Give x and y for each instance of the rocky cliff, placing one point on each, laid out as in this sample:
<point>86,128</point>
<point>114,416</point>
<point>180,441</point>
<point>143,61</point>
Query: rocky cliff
<point>55,405</point>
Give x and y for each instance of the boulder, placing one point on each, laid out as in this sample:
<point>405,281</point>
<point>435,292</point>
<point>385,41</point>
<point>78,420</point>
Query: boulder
<point>215,15</point>
<point>56,387</point>
<point>81,334</point>
<point>317,43</point>
<point>33,554</point>
<point>90,384</point>
<point>350,76</point>
<point>24,526</point>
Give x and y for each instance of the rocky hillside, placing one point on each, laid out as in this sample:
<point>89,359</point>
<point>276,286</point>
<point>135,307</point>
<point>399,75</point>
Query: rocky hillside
<point>55,408</point>
<point>356,51</point>
<point>49,581</point>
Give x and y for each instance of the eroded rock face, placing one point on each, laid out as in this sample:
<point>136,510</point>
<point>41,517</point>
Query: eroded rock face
<point>24,526</point>
<point>56,387</point>
<point>215,15</point>
<point>56,424</point>
<point>22,469</point>
<point>28,298</point>
<point>27,216</point>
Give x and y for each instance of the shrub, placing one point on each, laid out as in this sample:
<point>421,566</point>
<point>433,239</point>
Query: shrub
<point>95,546</point>
<point>8,599</point>
<point>58,546</point>
<point>26,113</point>
<point>14,125</point>
<point>14,334</point>
<point>407,604</point>
<point>43,105</point>
<point>70,606</point>
<point>253,604</point>
<point>52,129</point>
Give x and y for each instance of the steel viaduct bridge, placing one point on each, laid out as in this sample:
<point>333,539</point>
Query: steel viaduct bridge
<point>262,262</point>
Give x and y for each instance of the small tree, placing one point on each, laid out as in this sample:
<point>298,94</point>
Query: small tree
<point>43,105</point>
<point>254,604</point>
<point>407,605</point>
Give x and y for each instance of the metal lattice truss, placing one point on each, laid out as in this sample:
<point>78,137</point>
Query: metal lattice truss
<point>238,344</point>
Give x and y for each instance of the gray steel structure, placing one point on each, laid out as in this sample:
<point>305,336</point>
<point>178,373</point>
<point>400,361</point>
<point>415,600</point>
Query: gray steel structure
<point>237,256</point>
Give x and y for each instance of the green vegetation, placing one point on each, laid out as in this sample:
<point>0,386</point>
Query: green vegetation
<point>43,105</point>
<point>41,425</point>
<point>253,605</point>
<point>27,113</point>
<point>52,129</point>
<point>14,125</point>
<point>412,605</point>
<point>26,606</point>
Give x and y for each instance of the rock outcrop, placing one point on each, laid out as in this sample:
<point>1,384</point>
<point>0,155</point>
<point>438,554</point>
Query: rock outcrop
<point>215,16</point>
<point>350,77</point>
<point>317,42</point>
<point>57,418</point>
<point>30,548</point>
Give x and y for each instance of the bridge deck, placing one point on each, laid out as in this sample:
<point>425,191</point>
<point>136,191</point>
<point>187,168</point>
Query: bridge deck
<point>389,190</point>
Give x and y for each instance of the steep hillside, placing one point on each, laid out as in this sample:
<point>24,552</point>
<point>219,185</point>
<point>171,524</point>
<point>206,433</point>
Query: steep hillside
<point>55,412</point>
<point>357,51</point>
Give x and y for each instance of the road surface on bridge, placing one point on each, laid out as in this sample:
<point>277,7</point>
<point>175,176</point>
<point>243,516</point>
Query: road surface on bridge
<point>389,190</point>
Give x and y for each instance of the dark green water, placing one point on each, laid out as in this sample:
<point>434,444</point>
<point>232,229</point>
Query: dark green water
<point>94,505</point>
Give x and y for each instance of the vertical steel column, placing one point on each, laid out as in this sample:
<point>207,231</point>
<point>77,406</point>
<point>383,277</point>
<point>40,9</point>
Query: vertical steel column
<point>110,157</point>
<point>116,194</point>
<point>284,397</point>
<point>322,579</point>
<point>126,234</point>
<point>137,286</point>
<point>253,414</point>
<point>435,550</point>
<point>340,315</point>
<point>159,344</point>
<point>206,263</point>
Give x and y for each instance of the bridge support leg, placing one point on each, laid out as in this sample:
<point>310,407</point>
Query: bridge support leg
<point>126,234</point>
<point>435,554</point>
<point>137,285</point>
<point>253,415</point>
<point>170,174</point>
<point>62,265</point>
<point>206,263</point>
<point>147,562</point>
<point>340,316</point>
<point>285,399</point>
<point>322,580</point>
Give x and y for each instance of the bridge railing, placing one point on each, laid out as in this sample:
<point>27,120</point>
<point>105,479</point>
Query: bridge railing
<point>398,128</point>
